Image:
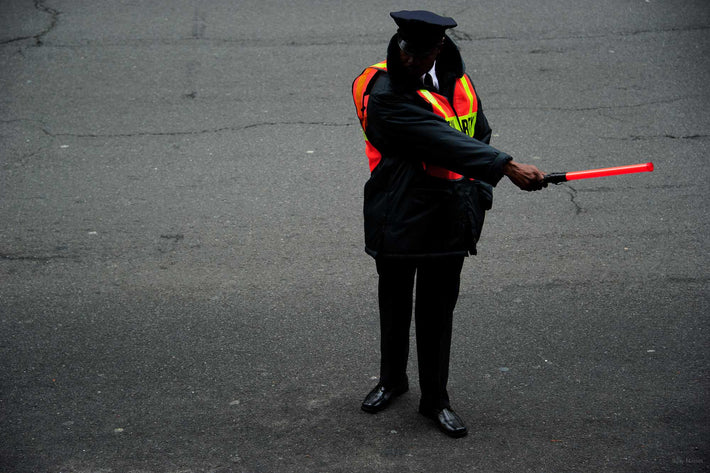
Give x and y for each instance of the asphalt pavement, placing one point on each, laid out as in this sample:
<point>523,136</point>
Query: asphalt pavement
<point>183,286</point>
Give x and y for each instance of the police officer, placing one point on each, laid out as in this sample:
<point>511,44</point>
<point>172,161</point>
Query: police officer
<point>432,172</point>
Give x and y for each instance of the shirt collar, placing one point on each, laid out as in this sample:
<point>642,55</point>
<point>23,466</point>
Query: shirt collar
<point>432,73</point>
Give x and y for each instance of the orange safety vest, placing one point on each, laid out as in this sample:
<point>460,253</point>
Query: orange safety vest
<point>461,116</point>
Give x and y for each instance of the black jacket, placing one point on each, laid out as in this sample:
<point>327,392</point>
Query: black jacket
<point>409,213</point>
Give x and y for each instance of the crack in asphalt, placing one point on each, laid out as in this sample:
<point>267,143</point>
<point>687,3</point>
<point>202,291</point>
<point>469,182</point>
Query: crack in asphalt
<point>573,198</point>
<point>461,35</point>
<point>665,30</point>
<point>54,15</point>
<point>597,108</point>
<point>54,18</point>
<point>240,42</point>
<point>657,137</point>
<point>21,160</point>
<point>20,257</point>
<point>199,27</point>
<point>190,132</point>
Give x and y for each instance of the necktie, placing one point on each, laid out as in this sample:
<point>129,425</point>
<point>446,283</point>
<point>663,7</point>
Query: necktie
<point>428,80</point>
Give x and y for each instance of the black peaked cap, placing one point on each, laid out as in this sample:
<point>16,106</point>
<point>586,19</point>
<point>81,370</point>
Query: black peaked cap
<point>420,30</point>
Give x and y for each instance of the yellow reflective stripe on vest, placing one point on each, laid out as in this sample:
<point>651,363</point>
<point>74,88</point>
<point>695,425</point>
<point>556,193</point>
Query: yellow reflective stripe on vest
<point>450,118</point>
<point>464,82</point>
<point>434,102</point>
<point>467,121</point>
<point>360,85</point>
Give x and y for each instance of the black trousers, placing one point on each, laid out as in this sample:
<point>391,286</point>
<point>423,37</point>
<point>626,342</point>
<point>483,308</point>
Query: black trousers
<point>437,290</point>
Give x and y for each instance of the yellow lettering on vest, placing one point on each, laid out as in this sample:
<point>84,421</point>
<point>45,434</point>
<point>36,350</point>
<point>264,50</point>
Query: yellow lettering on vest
<point>468,124</point>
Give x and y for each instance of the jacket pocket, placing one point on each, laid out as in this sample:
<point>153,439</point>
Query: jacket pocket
<point>478,198</point>
<point>485,194</point>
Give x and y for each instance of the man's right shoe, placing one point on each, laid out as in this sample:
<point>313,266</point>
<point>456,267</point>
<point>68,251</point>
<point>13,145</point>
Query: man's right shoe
<point>447,421</point>
<point>380,397</point>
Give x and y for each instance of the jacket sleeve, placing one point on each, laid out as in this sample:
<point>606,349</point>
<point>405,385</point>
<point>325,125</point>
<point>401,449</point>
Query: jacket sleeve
<point>402,127</point>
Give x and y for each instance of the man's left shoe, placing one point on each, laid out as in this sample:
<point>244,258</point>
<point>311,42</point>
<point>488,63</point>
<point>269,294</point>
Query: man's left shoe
<point>447,420</point>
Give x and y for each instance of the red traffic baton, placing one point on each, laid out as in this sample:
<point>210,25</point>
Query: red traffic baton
<point>558,177</point>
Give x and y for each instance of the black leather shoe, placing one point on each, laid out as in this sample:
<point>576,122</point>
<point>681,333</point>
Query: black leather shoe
<point>447,420</point>
<point>380,397</point>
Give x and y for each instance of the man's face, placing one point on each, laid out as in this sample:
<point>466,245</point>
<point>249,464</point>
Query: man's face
<point>417,65</point>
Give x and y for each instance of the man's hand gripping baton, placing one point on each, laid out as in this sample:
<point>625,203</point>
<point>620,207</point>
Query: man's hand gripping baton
<point>558,177</point>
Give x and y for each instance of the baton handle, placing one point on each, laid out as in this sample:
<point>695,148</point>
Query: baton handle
<point>555,178</point>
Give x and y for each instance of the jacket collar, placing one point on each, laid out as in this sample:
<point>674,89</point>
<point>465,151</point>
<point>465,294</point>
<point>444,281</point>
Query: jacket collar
<point>449,67</point>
